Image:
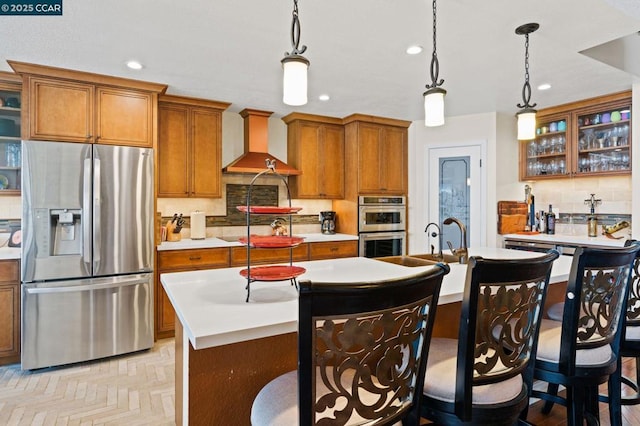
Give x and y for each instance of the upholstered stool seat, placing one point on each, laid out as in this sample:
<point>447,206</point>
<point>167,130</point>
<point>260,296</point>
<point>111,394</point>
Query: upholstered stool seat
<point>277,403</point>
<point>441,377</point>
<point>549,347</point>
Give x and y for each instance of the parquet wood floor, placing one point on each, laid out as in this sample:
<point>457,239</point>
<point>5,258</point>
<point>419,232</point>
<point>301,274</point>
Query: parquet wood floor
<point>134,389</point>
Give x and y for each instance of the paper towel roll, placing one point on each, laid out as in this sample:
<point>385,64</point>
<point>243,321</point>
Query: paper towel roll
<point>198,225</point>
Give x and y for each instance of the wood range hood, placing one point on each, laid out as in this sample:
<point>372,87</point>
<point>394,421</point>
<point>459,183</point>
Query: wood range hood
<point>256,144</point>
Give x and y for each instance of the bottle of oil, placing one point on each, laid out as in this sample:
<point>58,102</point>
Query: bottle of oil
<point>592,223</point>
<point>551,221</point>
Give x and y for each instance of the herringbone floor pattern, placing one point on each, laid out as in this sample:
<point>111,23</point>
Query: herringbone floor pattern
<point>134,389</point>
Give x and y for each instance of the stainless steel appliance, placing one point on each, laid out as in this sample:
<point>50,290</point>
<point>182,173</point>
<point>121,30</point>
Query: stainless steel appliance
<point>87,254</point>
<point>328,222</point>
<point>382,225</point>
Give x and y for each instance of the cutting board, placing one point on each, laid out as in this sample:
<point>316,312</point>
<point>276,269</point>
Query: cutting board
<point>512,217</point>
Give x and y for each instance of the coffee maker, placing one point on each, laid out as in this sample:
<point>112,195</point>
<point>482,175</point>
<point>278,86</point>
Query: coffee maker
<point>328,222</point>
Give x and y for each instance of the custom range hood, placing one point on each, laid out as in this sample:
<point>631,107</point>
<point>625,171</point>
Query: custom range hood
<point>256,144</point>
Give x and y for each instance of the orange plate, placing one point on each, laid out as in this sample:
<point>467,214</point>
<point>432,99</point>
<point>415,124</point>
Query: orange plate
<point>269,209</point>
<point>273,273</point>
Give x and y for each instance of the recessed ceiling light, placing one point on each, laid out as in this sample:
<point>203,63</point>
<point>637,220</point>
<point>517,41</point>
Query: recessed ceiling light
<point>134,65</point>
<point>324,97</point>
<point>414,50</point>
<point>545,86</point>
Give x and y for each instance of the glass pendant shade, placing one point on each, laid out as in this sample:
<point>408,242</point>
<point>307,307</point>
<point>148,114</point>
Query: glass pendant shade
<point>294,81</point>
<point>434,107</point>
<point>526,124</point>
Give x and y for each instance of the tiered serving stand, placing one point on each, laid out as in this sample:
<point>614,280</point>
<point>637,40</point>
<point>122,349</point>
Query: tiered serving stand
<point>270,272</point>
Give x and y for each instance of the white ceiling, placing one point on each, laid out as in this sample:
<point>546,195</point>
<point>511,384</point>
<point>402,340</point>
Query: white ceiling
<point>230,50</point>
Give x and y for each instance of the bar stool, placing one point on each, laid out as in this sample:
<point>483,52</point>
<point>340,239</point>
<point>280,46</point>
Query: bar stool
<point>484,377</point>
<point>629,347</point>
<point>362,351</point>
<point>581,352</point>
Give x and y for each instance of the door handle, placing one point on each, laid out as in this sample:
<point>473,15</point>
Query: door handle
<point>97,214</point>
<point>86,217</point>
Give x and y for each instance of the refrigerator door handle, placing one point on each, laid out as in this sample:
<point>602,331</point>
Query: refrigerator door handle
<point>86,218</point>
<point>97,214</point>
<point>85,287</point>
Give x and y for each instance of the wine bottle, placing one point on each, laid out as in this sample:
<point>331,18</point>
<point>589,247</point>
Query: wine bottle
<point>551,221</point>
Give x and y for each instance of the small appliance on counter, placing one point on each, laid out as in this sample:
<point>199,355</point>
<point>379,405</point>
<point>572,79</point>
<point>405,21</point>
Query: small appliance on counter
<point>198,225</point>
<point>328,222</point>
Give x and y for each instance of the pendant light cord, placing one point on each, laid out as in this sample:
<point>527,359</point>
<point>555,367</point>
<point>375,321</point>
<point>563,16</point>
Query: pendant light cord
<point>295,33</point>
<point>435,64</point>
<point>526,89</point>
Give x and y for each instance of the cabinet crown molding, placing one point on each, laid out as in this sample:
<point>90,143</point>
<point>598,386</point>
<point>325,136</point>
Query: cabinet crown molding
<point>100,79</point>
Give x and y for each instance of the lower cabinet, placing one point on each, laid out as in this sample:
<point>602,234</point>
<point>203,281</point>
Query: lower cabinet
<point>181,261</point>
<point>333,250</point>
<point>9,311</point>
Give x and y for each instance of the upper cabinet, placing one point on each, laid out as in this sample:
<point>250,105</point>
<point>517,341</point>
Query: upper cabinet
<point>189,147</point>
<point>10,148</point>
<point>315,145</point>
<point>586,138</point>
<point>376,148</point>
<point>72,106</point>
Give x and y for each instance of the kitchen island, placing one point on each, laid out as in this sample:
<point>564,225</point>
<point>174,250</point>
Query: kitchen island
<point>227,350</point>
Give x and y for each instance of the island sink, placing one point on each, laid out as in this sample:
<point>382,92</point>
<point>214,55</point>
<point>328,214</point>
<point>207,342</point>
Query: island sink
<point>445,258</point>
<point>419,259</point>
<point>406,261</point>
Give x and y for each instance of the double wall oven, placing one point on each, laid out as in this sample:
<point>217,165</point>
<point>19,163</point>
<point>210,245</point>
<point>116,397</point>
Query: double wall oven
<point>382,225</point>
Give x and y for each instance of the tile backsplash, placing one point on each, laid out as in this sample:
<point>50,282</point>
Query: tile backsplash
<point>569,195</point>
<point>217,209</point>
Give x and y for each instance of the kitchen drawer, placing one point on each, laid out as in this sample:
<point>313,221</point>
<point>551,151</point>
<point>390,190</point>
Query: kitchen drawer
<point>333,250</point>
<point>261,256</point>
<point>181,259</point>
<point>9,271</point>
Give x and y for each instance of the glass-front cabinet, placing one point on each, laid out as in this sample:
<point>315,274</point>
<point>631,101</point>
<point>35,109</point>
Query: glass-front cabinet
<point>10,146</point>
<point>585,138</point>
<point>604,140</point>
<point>548,156</point>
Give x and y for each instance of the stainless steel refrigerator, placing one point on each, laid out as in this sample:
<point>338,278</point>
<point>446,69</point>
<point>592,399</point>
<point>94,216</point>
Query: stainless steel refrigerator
<point>87,252</point>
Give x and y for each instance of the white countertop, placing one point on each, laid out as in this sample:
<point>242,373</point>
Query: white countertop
<point>188,243</point>
<point>577,240</point>
<point>9,252</point>
<point>210,304</point>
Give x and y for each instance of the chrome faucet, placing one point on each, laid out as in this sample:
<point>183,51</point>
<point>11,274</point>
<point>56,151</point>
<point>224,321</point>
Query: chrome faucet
<point>462,252</point>
<point>439,255</point>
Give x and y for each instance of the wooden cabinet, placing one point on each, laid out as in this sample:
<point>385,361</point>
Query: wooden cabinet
<point>177,261</point>
<point>189,147</point>
<point>333,250</point>
<point>10,148</point>
<point>9,311</point>
<point>315,145</point>
<point>74,106</point>
<point>377,148</point>
<point>586,138</point>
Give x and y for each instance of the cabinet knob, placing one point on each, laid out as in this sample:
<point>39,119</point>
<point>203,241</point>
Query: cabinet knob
<point>334,249</point>
<point>195,257</point>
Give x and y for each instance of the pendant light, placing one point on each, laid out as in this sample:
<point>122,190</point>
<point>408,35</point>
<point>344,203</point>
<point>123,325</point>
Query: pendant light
<point>294,65</point>
<point>526,115</point>
<point>434,96</point>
